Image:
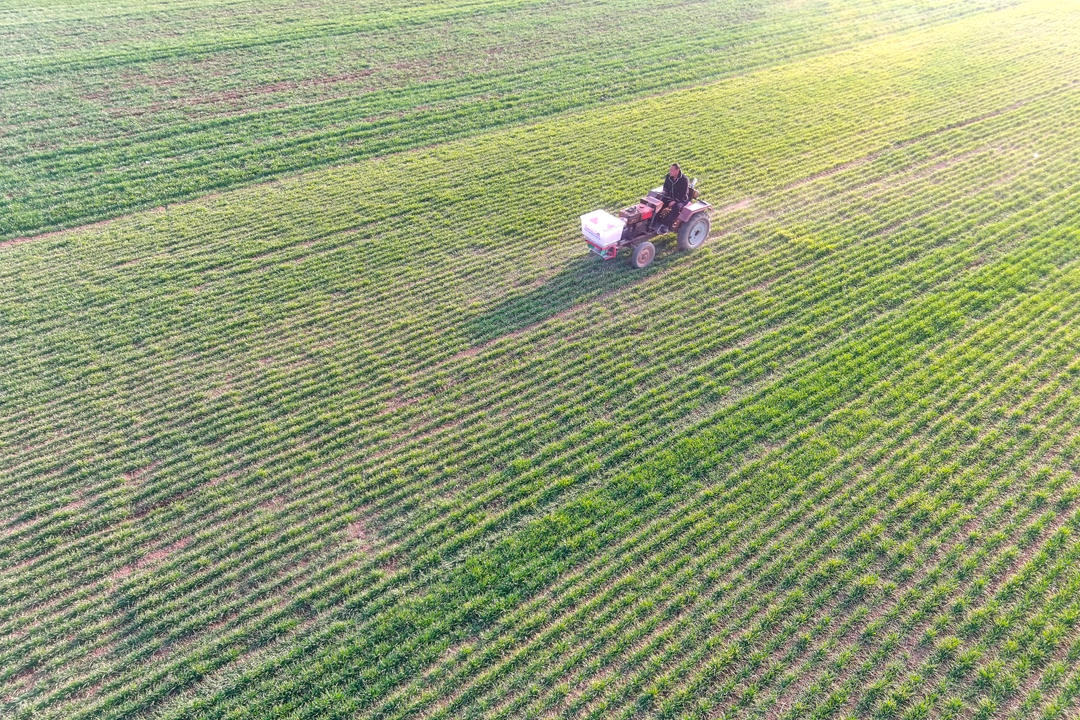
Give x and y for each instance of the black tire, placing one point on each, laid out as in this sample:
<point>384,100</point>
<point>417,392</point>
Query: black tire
<point>693,232</point>
<point>643,255</point>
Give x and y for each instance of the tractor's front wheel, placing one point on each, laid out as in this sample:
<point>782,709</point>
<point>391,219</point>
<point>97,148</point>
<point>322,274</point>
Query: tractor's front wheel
<point>694,231</point>
<point>643,255</point>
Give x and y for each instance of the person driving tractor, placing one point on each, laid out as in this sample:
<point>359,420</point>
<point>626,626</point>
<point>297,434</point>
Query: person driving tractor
<point>676,195</point>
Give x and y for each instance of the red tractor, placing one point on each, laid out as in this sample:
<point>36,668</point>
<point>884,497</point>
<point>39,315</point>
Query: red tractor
<point>633,228</point>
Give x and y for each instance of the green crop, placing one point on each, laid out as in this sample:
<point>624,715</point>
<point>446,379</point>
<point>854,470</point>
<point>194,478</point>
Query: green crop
<point>383,440</point>
<point>112,107</point>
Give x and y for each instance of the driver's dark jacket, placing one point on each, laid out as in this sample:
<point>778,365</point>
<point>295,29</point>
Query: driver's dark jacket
<point>677,188</point>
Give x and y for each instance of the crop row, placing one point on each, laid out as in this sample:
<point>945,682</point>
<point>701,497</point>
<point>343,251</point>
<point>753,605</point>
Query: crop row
<point>246,95</point>
<point>490,478</point>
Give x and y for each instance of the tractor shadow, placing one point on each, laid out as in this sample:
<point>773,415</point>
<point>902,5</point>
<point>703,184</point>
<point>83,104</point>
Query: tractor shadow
<point>583,279</point>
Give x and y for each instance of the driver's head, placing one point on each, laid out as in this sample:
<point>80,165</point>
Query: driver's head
<point>675,170</point>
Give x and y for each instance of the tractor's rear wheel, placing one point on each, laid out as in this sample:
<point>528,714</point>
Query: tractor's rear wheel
<point>643,255</point>
<point>694,231</point>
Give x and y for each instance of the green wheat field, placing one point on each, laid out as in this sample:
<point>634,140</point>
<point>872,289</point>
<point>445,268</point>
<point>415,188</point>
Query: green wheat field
<point>313,403</point>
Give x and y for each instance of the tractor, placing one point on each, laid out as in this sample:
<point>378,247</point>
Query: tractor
<point>633,228</point>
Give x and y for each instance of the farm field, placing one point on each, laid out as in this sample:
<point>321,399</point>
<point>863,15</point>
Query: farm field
<point>120,105</point>
<point>380,440</point>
